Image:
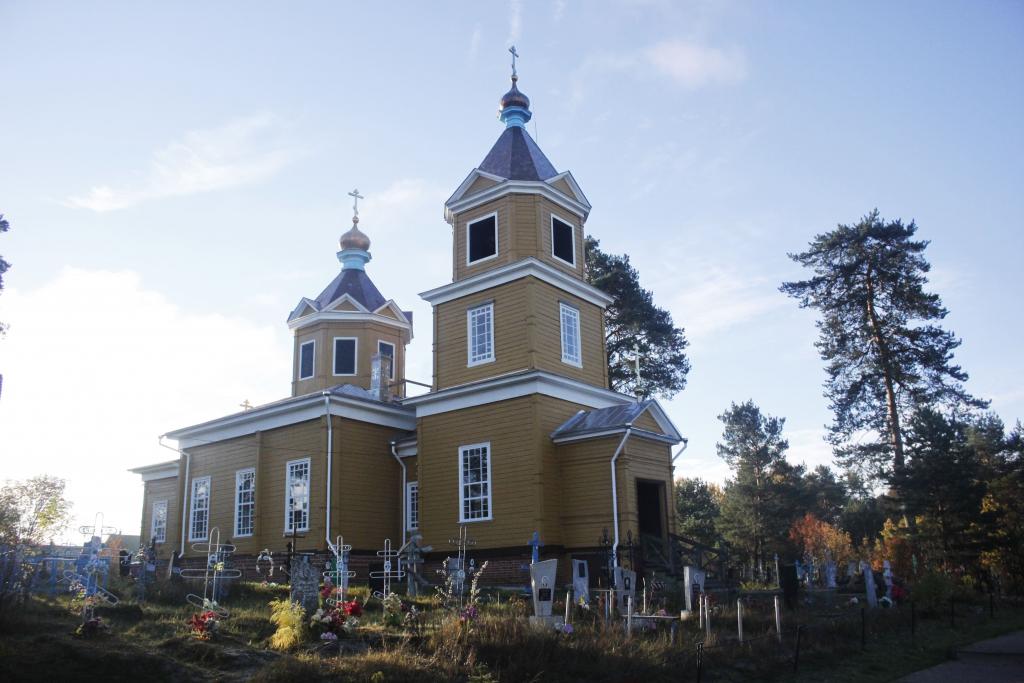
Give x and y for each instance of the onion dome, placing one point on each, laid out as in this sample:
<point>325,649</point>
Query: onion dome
<point>514,108</point>
<point>355,238</point>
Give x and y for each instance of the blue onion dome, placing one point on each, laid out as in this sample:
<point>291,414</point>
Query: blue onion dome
<point>355,238</point>
<point>515,107</point>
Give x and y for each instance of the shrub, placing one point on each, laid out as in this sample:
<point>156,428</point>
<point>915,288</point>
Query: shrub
<point>932,591</point>
<point>290,619</point>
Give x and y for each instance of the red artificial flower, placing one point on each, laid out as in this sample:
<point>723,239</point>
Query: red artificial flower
<point>352,608</point>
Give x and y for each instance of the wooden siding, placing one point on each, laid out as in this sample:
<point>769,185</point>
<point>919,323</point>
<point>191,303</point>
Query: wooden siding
<point>367,488</point>
<point>368,334</point>
<point>650,461</point>
<point>365,498</point>
<point>220,461</point>
<point>479,185</point>
<point>524,229</point>
<point>527,335</point>
<point>511,343</point>
<point>516,476</point>
<point>547,334</point>
<point>161,489</point>
<point>647,421</point>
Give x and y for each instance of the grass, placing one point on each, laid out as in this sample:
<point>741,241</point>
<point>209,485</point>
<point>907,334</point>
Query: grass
<point>151,642</point>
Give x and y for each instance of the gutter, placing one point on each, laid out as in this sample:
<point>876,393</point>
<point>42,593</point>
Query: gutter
<point>686,442</point>
<point>615,496</point>
<point>184,492</point>
<point>330,462</point>
<point>394,452</point>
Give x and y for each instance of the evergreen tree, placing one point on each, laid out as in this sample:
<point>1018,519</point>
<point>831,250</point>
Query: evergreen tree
<point>944,487</point>
<point>633,323</point>
<point>698,510</point>
<point>763,497</point>
<point>826,495</point>
<point>884,355</point>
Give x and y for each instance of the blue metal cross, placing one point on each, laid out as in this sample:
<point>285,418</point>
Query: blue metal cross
<point>536,544</point>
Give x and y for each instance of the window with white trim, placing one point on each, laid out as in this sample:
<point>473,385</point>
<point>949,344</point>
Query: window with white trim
<point>475,486</point>
<point>412,505</point>
<point>245,502</point>
<point>570,317</point>
<point>158,524</point>
<point>480,334</point>
<point>307,356</point>
<point>387,349</point>
<point>563,241</point>
<point>482,239</point>
<point>296,496</point>
<point>345,355</point>
<point>199,516</point>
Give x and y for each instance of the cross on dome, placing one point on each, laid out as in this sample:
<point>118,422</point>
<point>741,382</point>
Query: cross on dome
<point>514,55</point>
<point>355,204</point>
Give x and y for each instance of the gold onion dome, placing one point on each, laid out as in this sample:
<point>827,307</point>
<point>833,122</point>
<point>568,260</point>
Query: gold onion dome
<point>514,98</point>
<point>355,238</point>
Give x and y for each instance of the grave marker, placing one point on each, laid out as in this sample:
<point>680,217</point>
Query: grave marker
<point>212,574</point>
<point>305,584</point>
<point>542,585</point>
<point>625,587</point>
<point>693,580</point>
<point>581,581</point>
<point>870,591</point>
<point>389,556</point>
<point>338,573</point>
<point>887,578</point>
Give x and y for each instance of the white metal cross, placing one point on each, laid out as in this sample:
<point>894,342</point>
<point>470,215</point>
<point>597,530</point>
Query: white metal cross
<point>214,572</point>
<point>388,555</point>
<point>514,55</point>
<point>355,201</point>
<point>341,573</point>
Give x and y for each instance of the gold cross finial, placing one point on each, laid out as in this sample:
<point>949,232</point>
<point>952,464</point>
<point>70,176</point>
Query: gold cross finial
<point>355,202</point>
<point>245,405</point>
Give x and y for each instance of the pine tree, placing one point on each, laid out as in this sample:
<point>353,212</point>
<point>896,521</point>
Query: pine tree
<point>633,323</point>
<point>884,355</point>
<point>4,265</point>
<point>763,497</point>
<point>698,509</point>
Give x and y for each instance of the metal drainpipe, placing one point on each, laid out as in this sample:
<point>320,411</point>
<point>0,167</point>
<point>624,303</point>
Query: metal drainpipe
<point>615,496</point>
<point>394,452</point>
<point>686,442</point>
<point>330,461</point>
<point>184,489</point>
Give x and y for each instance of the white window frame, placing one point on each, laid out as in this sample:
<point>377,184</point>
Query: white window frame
<point>355,358</point>
<point>497,249</point>
<point>489,497</point>
<point>563,309</point>
<point>488,358</point>
<point>193,509</point>
<point>162,537</point>
<point>572,234</point>
<point>239,476</point>
<point>288,494</point>
<point>394,360</point>
<point>412,502</point>
<point>313,368</point>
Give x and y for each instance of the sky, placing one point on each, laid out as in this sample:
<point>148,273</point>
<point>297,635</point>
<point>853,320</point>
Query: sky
<point>175,177</point>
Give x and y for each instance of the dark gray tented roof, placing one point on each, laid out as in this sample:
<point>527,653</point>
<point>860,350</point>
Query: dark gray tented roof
<point>357,285</point>
<point>515,156</point>
<point>614,417</point>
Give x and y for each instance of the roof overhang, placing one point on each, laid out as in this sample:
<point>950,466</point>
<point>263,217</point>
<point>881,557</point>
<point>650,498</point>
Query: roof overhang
<point>350,316</point>
<point>514,385</point>
<point>160,470</point>
<point>292,411</point>
<point>526,267</point>
<point>459,203</point>
<point>615,431</point>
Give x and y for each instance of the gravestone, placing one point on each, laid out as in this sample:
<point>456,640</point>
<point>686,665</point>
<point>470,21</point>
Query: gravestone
<point>625,587</point>
<point>830,570</point>
<point>887,577</point>
<point>851,570</point>
<point>870,592</point>
<point>693,580</point>
<point>542,585</point>
<point>581,581</point>
<point>305,588</point>
<point>790,585</point>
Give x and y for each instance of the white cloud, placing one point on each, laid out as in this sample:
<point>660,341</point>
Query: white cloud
<point>515,21</point>
<point>240,152</point>
<point>559,10</point>
<point>722,298</point>
<point>693,66</point>
<point>474,42</point>
<point>96,366</point>
<point>808,447</point>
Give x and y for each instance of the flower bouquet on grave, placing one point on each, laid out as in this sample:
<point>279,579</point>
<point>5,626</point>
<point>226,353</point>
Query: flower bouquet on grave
<point>91,628</point>
<point>203,625</point>
<point>394,610</point>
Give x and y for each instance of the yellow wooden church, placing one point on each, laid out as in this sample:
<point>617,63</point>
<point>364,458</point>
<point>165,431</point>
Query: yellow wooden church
<point>518,434</point>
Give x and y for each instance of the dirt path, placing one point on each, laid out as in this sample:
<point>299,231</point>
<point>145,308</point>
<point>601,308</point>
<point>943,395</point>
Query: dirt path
<point>998,660</point>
